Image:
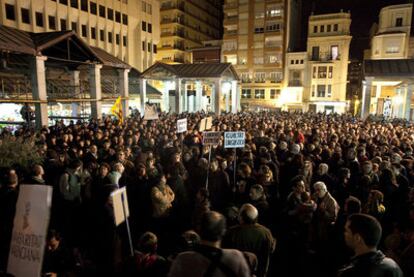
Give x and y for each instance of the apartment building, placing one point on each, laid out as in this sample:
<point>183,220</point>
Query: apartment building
<point>185,25</point>
<point>391,36</point>
<point>387,86</point>
<point>254,42</point>
<point>127,29</point>
<point>317,78</point>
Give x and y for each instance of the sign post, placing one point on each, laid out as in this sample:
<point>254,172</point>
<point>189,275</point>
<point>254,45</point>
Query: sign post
<point>121,211</point>
<point>206,124</point>
<point>234,140</point>
<point>210,139</point>
<point>29,231</point>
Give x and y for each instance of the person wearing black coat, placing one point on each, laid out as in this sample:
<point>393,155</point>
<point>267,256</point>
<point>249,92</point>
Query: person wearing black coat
<point>363,234</point>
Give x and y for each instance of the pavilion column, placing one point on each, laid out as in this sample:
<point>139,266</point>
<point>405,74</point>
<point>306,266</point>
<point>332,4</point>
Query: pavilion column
<point>377,96</point>
<point>96,90</point>
<point>407,103</point>
<point>227,101</point>
<point>39,91</point>
<point>217,96</point>
<point>234,96</point>
<point>166,97</point>
<point>185,98</point>
<point>124,89</point>
<point>366,97</point>
<point>75,83</point>
<point>142,94</point>
<point>198,96</point>
<point>178,105</point>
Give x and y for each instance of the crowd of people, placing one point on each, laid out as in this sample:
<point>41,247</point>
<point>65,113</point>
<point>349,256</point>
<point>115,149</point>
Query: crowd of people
<point>309,194</point>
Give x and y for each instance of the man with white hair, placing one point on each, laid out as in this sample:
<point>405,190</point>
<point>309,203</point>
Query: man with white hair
<point>322,175</point>
<point>251,237</point>
<point>326,213</point>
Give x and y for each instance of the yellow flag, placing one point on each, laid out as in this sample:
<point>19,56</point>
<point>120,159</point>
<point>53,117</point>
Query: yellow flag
<point>117,110</point>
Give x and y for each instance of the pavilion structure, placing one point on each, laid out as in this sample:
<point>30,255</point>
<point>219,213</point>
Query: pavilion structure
<point>212,87</point>
<point>43,69</point>
<point>388,88</point>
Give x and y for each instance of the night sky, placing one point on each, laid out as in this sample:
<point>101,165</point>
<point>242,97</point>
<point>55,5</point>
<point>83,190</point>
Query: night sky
<point>363,12</point>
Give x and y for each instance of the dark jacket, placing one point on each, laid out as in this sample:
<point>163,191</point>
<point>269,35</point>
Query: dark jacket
<point>373,264</point>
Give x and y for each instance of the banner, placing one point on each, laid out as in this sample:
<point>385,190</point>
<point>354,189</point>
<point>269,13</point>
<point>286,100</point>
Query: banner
<point>117,110</point>
<point>120,202</point>
<point>211,138</point>
<point>182,125</point>
<point>29,231</point>
<point>234,139</point>
<point>150,112</point>
<point>205,124</point>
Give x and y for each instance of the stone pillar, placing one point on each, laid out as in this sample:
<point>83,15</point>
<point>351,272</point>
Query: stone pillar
<point>142,94</point>
<point>198,96</point>
<point>227,101</point>
<point>407,103</point>
<point>124,89</point>
<point>96,90</point>
<point>234,97</point>
<point>377,96</point>
<point>217,96</point>
<point>191,103</point>
<point>366,97</point>
<point>166,96</point>
<point>178,105</point>
<point>39,91</point>
<point>75,84</point>
<point>185,98</point>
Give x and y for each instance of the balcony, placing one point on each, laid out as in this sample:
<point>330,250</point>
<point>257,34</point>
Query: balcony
<point>230,33</point>
<point>323,58</point>
<point>176,33</point>
<point>229,20</point>
<point>170,6</point>
<point>232,5</point>
<point>295,83</point>
<point>172,20</point>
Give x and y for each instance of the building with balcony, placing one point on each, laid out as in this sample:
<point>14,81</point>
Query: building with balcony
<point>128,30</point>
<point>185,25</point>
<point>254,42</point>
<point>321,81</point>
<point>388,65</point>
<point>391,36</point>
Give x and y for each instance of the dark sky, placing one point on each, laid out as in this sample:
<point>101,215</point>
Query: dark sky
<point>363,13</point>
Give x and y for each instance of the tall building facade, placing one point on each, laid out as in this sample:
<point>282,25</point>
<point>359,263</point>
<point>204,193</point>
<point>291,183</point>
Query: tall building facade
<point>328,43</point>
<point>391,36</point>
<point>185,24</point>
<point>317,78</point>
<point>127,29</point>
<point>387,86</point>
<point>254,42</point>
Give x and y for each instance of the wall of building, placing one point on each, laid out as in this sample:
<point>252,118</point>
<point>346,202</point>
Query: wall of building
<point>113,25</point>
<point>254,42</point>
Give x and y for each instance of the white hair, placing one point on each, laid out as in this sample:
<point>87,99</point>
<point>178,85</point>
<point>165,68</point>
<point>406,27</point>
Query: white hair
<point>320,185</point>
<point>249,212</point>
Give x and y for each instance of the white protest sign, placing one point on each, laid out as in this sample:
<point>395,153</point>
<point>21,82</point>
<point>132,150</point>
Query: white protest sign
<point>206,124</point>
<point>29,230</point>
<point>119,198</point>
<point>234,139</point>
<point>182,125</point>
<point>150,112</point>
<point>211,138</point>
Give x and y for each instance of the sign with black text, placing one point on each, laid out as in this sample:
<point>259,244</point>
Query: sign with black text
<point>182,125</point>
<point>211,138</point>
<point>29,230</point>
<point>234,139</point>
